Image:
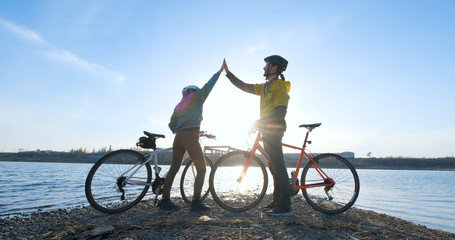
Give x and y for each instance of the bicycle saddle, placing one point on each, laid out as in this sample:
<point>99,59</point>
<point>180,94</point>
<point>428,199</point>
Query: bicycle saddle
<point>153,135</point>
<point>310,127</point>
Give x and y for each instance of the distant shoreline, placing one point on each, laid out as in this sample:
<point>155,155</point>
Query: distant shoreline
<point>391,163</point>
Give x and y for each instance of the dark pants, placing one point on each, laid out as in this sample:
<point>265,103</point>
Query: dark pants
<point>186,141</point>
<point>272,144</point>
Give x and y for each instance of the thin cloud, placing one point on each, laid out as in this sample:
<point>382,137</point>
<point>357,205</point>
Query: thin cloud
<point>69,58</point>
<point>61,54</point>
<point>22,32</point>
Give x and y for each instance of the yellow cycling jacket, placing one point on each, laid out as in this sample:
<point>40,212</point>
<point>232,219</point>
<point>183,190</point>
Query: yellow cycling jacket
<point>275,95</point>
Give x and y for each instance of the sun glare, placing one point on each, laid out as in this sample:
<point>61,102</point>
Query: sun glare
<point>229,115</point>
<point>249,183</point>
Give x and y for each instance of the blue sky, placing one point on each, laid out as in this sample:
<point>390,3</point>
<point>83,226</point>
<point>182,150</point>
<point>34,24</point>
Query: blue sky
<point>92,74</point>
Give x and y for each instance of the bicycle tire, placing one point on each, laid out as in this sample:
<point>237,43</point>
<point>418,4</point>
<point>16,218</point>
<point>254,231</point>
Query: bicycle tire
<point>343,194</point>
<point>102,184</point>
<point>236,196</point>
<point>187,180</point>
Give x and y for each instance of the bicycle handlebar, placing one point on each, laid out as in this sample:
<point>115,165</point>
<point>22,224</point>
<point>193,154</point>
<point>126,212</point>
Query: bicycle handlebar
<point>205,134</point>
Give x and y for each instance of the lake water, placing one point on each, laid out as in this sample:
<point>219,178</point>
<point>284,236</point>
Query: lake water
<point>422,197</point>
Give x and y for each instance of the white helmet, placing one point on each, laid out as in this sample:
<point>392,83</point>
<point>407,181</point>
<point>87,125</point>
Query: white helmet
<point>188,89</point>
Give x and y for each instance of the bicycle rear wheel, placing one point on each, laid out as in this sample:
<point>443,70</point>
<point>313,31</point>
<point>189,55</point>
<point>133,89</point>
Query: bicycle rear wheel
<point>232,194</point>
<point>331,199</point>
<point>105,186</point>
<point>187,180</point>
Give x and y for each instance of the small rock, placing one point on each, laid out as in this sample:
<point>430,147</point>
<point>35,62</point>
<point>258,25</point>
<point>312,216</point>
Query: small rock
<point>205,218</point>
<point>103,230</point>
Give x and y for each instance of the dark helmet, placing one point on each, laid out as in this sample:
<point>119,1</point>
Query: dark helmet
<point>278,60</point>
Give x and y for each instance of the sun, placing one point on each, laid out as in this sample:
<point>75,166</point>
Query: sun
<point>229,113</point>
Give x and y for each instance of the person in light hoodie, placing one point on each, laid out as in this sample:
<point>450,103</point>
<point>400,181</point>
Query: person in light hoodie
<point>185,124</point>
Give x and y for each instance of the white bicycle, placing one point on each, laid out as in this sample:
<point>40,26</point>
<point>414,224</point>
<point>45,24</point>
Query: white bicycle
<point>121,179</point>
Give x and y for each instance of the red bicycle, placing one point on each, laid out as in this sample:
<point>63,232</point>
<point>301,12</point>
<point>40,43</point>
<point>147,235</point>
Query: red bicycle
<point>329,182</point>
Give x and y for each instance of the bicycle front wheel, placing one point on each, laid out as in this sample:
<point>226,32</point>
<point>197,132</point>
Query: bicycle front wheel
<point>232,192</point>
<point>188,177</point>
<point>338,197</point>
<point>105,187</point>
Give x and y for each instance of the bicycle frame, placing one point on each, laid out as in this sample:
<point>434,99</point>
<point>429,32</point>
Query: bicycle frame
<point>136,168</point>
<point>257,147</point>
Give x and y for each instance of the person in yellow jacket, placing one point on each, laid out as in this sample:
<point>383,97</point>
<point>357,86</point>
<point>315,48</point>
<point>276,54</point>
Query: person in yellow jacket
<point>274,100</point>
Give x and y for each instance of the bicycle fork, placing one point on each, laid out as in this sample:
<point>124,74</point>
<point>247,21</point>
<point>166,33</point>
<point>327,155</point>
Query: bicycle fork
<point>250,156</point>
<point>248,161</point>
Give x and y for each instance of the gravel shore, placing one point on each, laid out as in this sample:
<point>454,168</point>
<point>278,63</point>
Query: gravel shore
<point>145,221</point>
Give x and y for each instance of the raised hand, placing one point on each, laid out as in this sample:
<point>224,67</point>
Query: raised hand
<point>225,67</point>
<point>222,66</point>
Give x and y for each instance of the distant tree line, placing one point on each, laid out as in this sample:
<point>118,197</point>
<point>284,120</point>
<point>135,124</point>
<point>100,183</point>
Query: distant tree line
<point>102,150</point>
<point>82,156</point>
<point>447,163</point>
